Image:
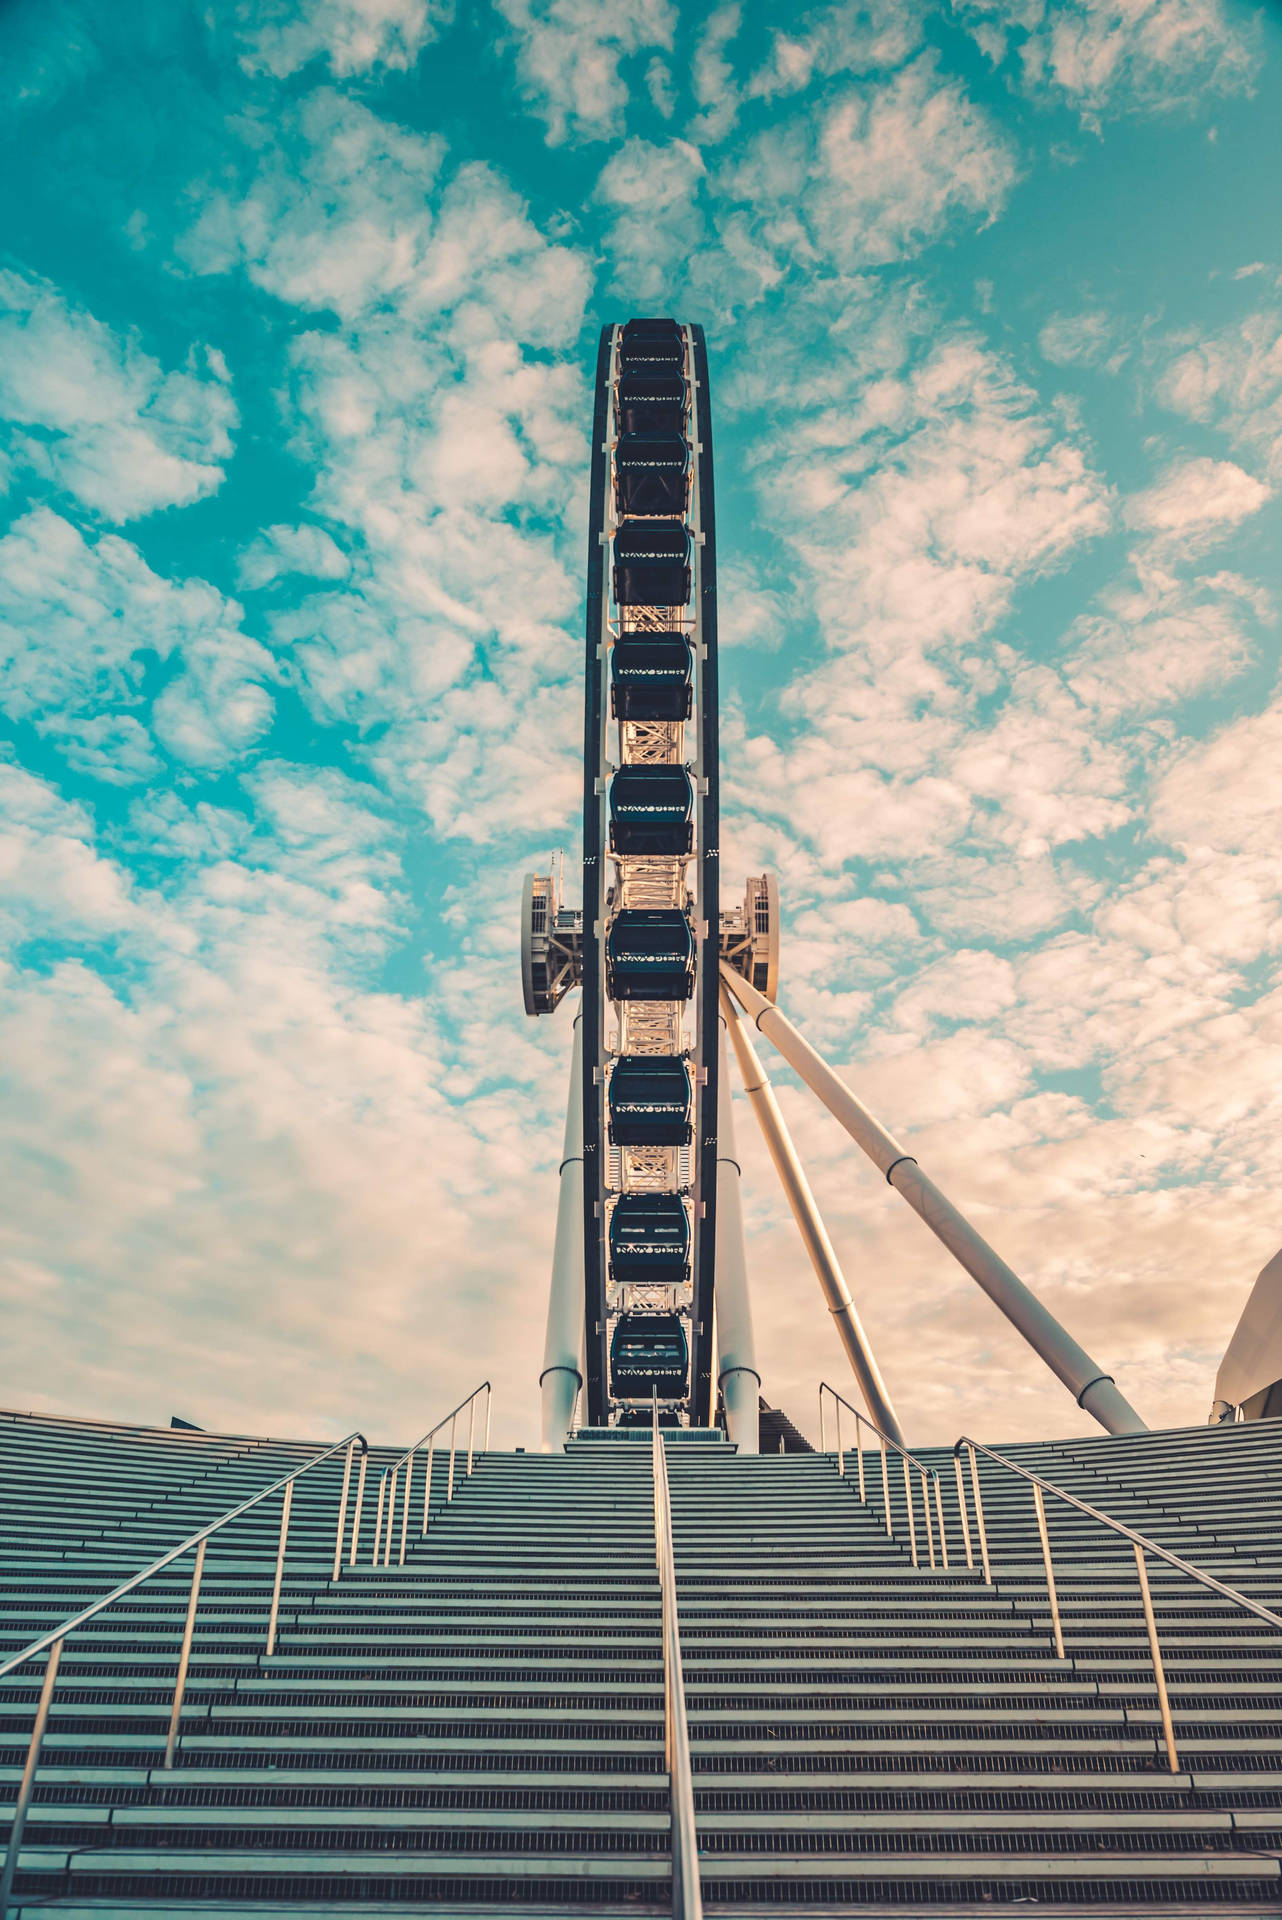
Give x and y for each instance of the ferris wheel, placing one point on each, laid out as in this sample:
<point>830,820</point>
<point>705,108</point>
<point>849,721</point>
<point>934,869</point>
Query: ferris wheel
<point>645,947</point>
<point>649,1301</point>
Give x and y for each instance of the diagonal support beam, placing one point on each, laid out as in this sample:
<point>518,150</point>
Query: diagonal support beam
<point>805,1212</point>
<point>1090,1386</point>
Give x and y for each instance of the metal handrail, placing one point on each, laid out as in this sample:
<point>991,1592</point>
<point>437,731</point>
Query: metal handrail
<point>1140,1543</point>
<point>56,1635</point>
<point>928,1475</point>
<point>687,1895</point>
<point>388,1493</point>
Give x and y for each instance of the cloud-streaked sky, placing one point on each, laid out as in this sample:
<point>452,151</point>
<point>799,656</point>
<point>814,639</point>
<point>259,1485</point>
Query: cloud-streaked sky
<point>298,302</point>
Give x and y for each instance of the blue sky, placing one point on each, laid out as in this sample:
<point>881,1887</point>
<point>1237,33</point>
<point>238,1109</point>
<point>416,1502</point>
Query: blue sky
<point>297,304</point>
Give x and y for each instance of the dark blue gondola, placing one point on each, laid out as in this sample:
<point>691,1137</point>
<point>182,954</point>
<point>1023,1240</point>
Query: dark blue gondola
<point>649,1351</point>
<point>650,1239</point>
<point>649,955</point>
<point>653,678</point>
<point>650,1101</point>
<point>651,400</point>
<point>652,344</point>
<point>651,474</point>
<point>651,564</point>
<point>651,810</point>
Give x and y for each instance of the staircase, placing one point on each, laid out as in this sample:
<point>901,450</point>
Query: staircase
<point>482,1729</point>
<point>869,1736</point>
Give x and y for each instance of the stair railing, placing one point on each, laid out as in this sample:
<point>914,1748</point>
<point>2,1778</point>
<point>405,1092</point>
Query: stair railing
<point>389,1481</point>
<point>911,1465</point>
<point>687,1896</point>
<point>1140,1542</point>
<point>54,1639</point>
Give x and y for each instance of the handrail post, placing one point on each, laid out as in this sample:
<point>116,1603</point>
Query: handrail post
<point>841,1451</point>
<point>449,1492</point>
<point>285,1506</point>
<point>378,1523</point>
<point>961,1508</point>
<point>184,1658</point>
<point>489,1403</point>
<point>471,1424</point>
<point>427,1485</point>
<point>28,1782</point>
<point>356,1517</point>
<point>342,1511</point>
<point>885,1487</point>
<point>859,1450</point>
<point>939,1515</point>
<point>393,1489</point>
<point>1155,1651</point>
<point>979,1518</point>
<point>405,1504</point>
<point>823,1442</point>
<point>909,1503</point>
<point>930,1531</point>
<point>1051,1594</point>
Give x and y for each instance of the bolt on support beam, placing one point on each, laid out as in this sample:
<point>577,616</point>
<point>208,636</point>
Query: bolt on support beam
<point>1090,1386</point>
<point>805,1212</point>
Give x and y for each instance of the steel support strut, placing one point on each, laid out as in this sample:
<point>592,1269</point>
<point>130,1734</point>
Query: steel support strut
<point>561,1378</point>
<point>1091,1387</point>
<point>805,1212</point>
<point>737,1374</point>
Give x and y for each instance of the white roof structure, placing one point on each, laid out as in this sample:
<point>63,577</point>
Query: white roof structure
<point>1250,1375</point>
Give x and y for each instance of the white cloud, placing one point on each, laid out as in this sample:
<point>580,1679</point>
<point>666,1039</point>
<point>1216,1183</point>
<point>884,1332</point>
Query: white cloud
<point>1223,793</point>
<point>750,613</point>
<point>1081,339</point>
<point>1161,639</point>
<point>446,453</point>
<point>712,76</point>
<point>882,171</point>
<point>81,629</point>
<point>1194,498</point>
<point>353,36</point>
<point>1226,905</point>
<point>284,550</point>
<point>110,425</point>
<point>838,39</point>
<point>569,54</point>
<point>342,209</point>
<point>917,487</point>
<point>53,883</point>
<point>921,498</point>
<point>1118,55</point>
<point>337,215</point>
<point>1231,380</point>
<point>657,221</point>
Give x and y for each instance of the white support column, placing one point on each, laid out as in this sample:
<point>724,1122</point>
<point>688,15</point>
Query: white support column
<point>1090,1386</point>
<point>805,1212</point>
<point>737,1375</point>
<point>562,1376</point>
